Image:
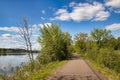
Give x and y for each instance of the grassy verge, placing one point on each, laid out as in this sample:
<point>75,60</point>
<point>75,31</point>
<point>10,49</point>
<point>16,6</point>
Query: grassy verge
<point>109,74</point>
<point>47,70</point>
<point>36,74</point>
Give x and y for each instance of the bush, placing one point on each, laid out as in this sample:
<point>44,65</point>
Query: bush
<point>108,58</point>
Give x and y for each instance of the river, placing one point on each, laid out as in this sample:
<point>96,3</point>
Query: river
<point>7,62</point>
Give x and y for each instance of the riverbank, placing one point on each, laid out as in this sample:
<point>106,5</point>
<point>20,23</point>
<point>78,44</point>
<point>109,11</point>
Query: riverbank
<point>39,72</point>
<point>8,62</point>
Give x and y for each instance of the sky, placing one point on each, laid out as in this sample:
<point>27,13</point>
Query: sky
<point>73,16</point>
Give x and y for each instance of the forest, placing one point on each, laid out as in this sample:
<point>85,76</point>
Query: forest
<point>4,51</point>
<point>10,51</point>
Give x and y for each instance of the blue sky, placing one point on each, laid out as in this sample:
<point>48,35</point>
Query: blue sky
<point>73,16</point>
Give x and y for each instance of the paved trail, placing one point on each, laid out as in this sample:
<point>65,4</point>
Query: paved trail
<point>76,69</point>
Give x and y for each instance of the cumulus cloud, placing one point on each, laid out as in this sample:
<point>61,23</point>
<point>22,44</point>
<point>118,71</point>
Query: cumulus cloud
<point>82,11</point>
<point>10,29</point>
<point>63,15</point>
<point>101,16</point>
<point>115,26</point>
<point>114,5</point>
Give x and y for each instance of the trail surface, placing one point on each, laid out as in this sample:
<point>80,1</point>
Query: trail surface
<point>76,69</point>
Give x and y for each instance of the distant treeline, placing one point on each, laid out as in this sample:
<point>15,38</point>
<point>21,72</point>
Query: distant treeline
<point>4,51</point>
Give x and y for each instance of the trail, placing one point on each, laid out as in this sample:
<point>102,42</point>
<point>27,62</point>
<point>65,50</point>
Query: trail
<point>76,69</point>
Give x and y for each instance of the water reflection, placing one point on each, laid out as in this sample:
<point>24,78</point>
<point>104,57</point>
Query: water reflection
<point>8,62</point>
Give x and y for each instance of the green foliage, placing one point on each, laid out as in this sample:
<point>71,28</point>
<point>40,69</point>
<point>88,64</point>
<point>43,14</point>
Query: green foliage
<point>92,54</point>
<point>47,70</point>
<point>108,73</point>
<point>39,73</point>
<point>100,35</point>
<point>118,43</point>
<point>80,42</point>
<point>100,48</point>
<point>55,44</point>
<point>107,58</point>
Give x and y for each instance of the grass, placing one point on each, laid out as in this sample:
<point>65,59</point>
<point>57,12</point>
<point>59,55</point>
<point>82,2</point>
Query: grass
<point>109,74</point>
<point>36,74</point>
<point>47,70</point>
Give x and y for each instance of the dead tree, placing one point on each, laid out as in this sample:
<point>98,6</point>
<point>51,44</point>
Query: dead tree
<point>25,33</point>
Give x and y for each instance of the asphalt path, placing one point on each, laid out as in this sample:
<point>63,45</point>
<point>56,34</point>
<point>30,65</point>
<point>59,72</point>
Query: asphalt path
<point>76,69</point>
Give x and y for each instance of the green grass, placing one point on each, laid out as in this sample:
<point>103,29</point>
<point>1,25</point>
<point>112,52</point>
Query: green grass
<point>47,70</point>
<point>36,74</point>
<point>109,74</point>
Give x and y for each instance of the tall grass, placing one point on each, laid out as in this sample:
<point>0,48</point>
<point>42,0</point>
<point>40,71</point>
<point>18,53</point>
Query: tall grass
<point>39,72</point>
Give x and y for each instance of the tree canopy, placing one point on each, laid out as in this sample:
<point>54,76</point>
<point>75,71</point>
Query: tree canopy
<point>54,43</point>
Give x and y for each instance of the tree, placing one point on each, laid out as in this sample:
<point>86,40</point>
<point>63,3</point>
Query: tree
<point>118,43</point>
<point>81,36</point>
<point>54,43</point>
<point>68,49</point>
<point>25,33</point>
<point>111,43</point>
<point>80,42</point>
<point>99,35</point>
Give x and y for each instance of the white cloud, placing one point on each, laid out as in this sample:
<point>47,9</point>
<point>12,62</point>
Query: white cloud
<point>72,4</point>
<point>43,11</point>
<point>42,18</point>
<point>36,46</point>
<point>63,15</point>
<point>82,11</point>
<point>9,41</point>
<point>46,24</point>
<point>6,35</point>
<point>114,5</point>
<point>9,29</point>
<point>101,16</point>
<point>17,29</point>
<point>61,11</point>
<point>13,40</point>
<point>6,38</point>
<point>115,26</point>
<point>9,37</point>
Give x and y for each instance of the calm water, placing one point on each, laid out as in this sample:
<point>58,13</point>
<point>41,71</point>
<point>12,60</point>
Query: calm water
<point>7,62</point>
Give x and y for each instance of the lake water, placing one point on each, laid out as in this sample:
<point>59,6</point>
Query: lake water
<point>7,62</point>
